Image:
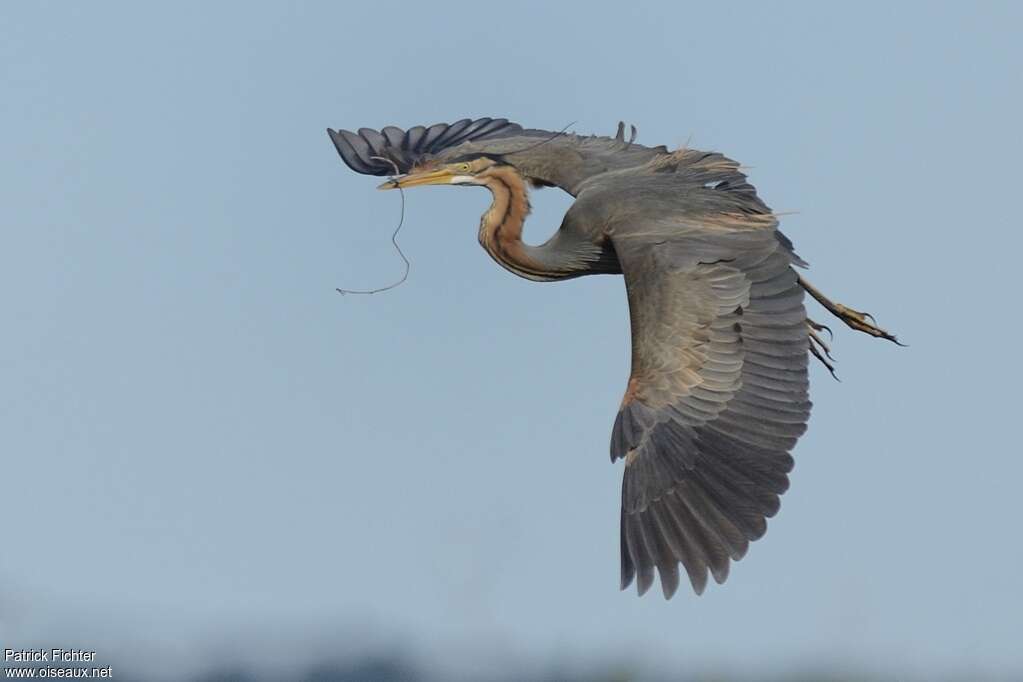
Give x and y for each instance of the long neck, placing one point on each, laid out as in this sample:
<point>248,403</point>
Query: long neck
<point>501,234</point>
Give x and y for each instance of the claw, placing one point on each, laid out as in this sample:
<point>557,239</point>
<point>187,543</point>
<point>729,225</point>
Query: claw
<point>815,338</point>
<point>817,326</point>
<point>863,322</point>
<point>824,361</point>
<point>861,316</point>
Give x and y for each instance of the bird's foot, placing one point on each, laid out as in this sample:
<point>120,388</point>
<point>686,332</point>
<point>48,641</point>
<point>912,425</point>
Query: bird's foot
<point>820,349</point>
<point>854,319</point>
<point>863,322</point>
<point>818,327</point>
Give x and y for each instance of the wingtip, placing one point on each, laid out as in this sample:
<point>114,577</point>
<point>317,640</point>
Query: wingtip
<point>644,581</point>
<point>720,574</point>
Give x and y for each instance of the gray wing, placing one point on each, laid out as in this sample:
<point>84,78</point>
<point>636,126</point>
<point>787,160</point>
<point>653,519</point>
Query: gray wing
<point>552,158</point>
<point>365,150</point>
<point>716,398</point>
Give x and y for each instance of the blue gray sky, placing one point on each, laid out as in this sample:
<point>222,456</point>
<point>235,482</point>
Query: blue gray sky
<point>201,439</point>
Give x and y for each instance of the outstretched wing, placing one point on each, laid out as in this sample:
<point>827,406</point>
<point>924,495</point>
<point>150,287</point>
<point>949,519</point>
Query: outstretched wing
<point>716,398</point>
<point>366,150</point>
<point>558,158</point>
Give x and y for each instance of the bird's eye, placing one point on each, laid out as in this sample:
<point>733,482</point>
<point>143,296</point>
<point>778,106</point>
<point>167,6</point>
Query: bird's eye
<point>463,167</point>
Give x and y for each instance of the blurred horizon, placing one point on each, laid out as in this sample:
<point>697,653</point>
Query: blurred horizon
<point>332,652</point>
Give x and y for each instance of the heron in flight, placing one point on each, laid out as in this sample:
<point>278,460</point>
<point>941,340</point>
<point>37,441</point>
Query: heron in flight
<point>717,394</point>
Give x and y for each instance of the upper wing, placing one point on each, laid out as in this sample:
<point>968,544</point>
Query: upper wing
<point>366,151</point>
<point>559,158</point>
<point>716,399</point>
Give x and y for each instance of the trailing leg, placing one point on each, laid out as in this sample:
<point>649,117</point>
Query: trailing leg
<point>861,322</point>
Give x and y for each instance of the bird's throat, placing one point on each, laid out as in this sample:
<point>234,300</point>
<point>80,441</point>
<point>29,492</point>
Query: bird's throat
<point>501,227</point>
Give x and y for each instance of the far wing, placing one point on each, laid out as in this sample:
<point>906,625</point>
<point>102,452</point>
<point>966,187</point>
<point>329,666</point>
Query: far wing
<point>369,151</point>
<point>716,399</point>
<point>556,158</point>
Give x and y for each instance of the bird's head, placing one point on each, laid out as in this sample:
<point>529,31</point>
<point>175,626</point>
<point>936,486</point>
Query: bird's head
<point>467,170</point>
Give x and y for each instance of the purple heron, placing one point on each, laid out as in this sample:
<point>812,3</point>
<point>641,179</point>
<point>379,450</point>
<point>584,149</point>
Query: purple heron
<point>718,392</point>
